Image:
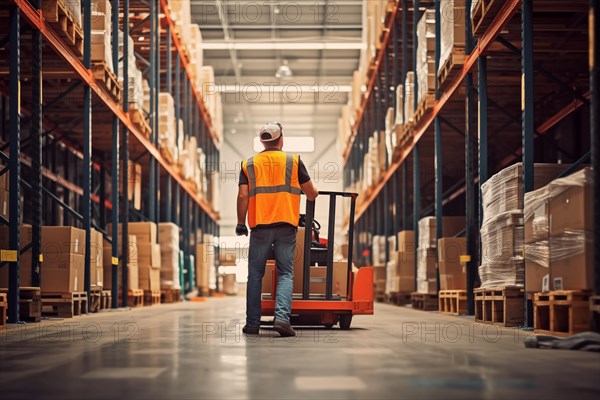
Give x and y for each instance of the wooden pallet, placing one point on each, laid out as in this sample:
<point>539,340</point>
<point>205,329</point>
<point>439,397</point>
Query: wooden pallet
<point>30,303</point>
<point>135,298</point>
<point>398,298</point>
<point>561,313</point>
<point>453,302</point>
<point>170,295</point>
<point>424,301</point>
<point>504,306</point>
<point>595,313</point>
<point>105,299</point>
<point>151,297</point>
<point>137,117</point>
<point>452,67</point>
<point>483,14</point>
<point>64,305</point>
<point>63,21</point>
<point>95,299</point>
<point>107,79</point>
<point>3,308</point>
<point>425,106</point>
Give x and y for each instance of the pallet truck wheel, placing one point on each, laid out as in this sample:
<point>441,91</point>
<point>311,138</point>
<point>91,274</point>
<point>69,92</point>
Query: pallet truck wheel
<point>345,321</point>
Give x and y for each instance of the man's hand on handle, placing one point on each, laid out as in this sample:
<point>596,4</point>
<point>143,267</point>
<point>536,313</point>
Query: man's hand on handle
<point>241,230</point>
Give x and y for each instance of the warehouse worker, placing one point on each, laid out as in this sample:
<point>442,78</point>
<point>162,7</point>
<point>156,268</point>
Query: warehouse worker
<point>269,192</point>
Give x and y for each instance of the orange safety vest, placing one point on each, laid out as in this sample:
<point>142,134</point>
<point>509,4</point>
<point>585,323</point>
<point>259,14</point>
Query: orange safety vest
<point>274,189</point>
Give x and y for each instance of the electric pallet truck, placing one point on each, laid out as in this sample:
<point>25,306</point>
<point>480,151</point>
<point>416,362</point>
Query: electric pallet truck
<point>327,309</point>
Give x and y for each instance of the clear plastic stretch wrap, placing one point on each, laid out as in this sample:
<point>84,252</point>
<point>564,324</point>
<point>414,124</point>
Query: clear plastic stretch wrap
<point>502,237</point>
<point>451,26</point>
<point>543,247</point>
<point>500,274</point>
<point>503,191</point>
<point>426,240</point>
<point>425,51</point>
<point>426,270</point>
<point>379,250</point>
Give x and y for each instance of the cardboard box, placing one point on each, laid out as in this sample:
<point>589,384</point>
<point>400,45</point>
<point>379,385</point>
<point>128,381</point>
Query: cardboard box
<point>149,278</point>
<point>534,276</point>
<point>571,210</point>
<point>63,272</point>
<point>427,286</point>
<point>145,232</point>
<point>299,252</point>
<point>451,226</point>
<point>168,232</point>
<point>63,239</point>
<point>571,262</point>
<point>25,273</point>
<point>450,249</point>
<point>318,275</point>
<point>148,254</point>
<point>132,270</point>
<point>426,264</point>
<point>452,271</point>
<point>406,242</point>
<point>536,226</point>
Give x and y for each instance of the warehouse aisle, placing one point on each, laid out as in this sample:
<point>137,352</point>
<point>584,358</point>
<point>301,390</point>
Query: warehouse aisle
<point>195,350</point>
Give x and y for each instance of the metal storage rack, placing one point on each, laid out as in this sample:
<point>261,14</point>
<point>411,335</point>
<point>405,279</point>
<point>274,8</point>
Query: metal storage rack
<point>466,137</point>
<point>61,167</point>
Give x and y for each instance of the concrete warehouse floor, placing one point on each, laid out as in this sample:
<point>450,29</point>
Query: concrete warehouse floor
<point>195,350</point>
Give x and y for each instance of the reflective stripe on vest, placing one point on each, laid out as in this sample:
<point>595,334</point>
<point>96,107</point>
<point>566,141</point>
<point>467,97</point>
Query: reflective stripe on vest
<point>287,187</point>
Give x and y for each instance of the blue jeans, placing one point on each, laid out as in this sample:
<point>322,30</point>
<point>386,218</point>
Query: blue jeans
<point>284,240</point>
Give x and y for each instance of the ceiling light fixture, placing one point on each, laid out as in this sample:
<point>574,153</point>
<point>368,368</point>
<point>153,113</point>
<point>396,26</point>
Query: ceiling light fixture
<point>284,71</point>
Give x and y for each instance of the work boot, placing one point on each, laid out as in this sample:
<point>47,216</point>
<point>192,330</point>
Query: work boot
<point>284,329</point>
<point>251,330</point>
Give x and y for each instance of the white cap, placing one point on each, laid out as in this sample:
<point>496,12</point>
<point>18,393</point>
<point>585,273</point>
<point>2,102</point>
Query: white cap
<point>270,132</point>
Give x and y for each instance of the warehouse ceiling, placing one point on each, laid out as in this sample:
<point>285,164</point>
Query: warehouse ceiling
<point>247,42</point>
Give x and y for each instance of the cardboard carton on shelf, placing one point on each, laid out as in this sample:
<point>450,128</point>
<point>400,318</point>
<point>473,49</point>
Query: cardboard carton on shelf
<point>452,271</point>
<point>62,240</point>
<point>451,226</point>
<point>25,272</point>
<point>149,254</point>
<point>132,266</point>
<point>62,272</point>
<point>145,232</point>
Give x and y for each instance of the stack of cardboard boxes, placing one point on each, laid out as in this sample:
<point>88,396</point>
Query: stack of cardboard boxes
<point>64,259</point>
<point>452,272</point>
<point>317,273</point>
<point>400,273</point>
<point>452,29</point>
<point>149,255</point>
<point>558,234</point>
<point>146,254</point>
<point>166,124</point>
<point>426,251</point>
<point>102,32</point>
<point>502,228</point>
<point>168,237</point>
<point>132,265</point>
<point>426,73</point>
